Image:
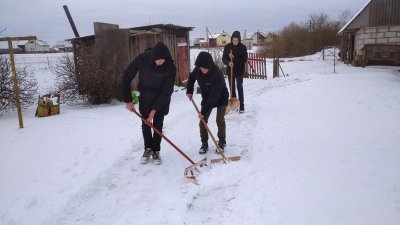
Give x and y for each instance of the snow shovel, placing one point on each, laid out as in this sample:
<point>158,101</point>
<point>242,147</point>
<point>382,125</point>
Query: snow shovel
<point>192,171</point>
<point>233,102</point>
<point>220,151</point>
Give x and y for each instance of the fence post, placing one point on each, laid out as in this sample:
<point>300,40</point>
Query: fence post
<point>14,73</point>
<point>275,67</point>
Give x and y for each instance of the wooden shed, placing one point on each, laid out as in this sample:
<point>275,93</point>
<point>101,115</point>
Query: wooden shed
<point>117,47</point>
<point>372,36</point>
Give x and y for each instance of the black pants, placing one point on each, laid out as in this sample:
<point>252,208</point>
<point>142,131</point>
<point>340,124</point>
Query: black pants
<point>239,81</point>
<point>152,139</point>
<point>220,124</point>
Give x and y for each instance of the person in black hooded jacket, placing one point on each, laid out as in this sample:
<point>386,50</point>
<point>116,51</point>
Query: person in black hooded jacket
<point>214,94</point>
<point>237,52</point>
<point>156,85</point>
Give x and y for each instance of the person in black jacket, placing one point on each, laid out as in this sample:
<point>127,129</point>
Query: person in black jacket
<point>214,94</point>
<point>237,52</point>
<point>156,85</point>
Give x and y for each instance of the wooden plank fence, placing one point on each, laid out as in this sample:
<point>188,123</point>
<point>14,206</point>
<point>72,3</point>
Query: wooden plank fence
<point>256,66</point>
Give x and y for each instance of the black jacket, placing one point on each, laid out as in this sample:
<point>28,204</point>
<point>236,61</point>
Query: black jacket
<point>156,83</point>
<point>240,53</point>
<point>213,88</point>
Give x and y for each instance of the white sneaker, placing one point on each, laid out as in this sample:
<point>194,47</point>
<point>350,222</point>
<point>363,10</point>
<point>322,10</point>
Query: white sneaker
<point>156,158</point>
<point>146,156</point>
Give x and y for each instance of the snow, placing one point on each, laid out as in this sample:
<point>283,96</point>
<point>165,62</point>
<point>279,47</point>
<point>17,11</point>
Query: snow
<point>316,148</point>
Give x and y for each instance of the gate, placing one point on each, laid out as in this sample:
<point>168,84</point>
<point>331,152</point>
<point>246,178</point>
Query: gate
<point>256,67</point>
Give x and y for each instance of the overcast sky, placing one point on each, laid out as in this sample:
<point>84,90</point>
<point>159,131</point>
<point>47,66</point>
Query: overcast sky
<point>46,19</point>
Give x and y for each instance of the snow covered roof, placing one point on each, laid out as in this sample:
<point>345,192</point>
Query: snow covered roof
<point>215,36</point>
<point>22,42</point>
<point>354,17</point>
<point>63,44</point>
<point>41,42</point>
<point>250,35</point>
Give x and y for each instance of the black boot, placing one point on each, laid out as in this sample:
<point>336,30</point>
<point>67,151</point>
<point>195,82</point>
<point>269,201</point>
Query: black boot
<point>203,148</point>
<point>221,144</point>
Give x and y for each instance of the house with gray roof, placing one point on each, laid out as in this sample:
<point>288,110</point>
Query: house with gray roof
<point>372,36</point>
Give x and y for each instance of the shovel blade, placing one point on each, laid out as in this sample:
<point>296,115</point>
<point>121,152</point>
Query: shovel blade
<point>225,160</point>
<point>193,171</point>
<point>233,105</point>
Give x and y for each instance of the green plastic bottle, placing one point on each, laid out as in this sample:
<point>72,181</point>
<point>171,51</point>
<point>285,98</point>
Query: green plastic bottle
<point>135,97</point>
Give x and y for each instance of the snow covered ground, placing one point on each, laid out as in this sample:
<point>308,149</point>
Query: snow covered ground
<point>317,148</point>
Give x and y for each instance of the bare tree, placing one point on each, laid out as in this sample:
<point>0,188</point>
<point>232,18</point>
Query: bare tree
<point>344,17</point>
<point>27,85</point>
<point>66,80</point>
<point>303,39</point>
<point>87,79</point>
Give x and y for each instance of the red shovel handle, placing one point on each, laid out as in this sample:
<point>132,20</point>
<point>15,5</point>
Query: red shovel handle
<point>162,135</point>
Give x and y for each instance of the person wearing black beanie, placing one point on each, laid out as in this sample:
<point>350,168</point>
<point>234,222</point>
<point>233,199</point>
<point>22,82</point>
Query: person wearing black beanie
<point>214,94</point>
<point>156,85</point>
<point>235,55</point>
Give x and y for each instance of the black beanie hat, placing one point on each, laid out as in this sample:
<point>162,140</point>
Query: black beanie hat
<point>160,51</point>
<point>235,34</point>
<point>205,60</point>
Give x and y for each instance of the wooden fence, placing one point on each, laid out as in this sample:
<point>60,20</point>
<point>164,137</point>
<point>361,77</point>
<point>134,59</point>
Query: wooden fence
<point>256,66</point>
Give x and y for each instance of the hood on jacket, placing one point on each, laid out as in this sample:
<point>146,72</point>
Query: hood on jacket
<point>236,34</point>
<point>160,51</point>
<point>205,60</point>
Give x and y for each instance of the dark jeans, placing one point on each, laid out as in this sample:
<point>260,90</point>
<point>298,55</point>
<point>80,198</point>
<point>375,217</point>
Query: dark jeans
<point>239,81</point>
<point>220,119</point>
<point>152,139</point>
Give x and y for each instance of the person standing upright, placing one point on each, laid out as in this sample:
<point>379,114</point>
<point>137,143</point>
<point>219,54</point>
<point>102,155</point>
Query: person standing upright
<point>235,56</point>
<point>156,85</point>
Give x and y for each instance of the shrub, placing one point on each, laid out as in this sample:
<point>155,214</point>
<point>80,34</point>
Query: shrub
<point>27,84</point>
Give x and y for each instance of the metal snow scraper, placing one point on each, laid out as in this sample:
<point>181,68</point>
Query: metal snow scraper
<point>220,151</point>
<point>192,171</point>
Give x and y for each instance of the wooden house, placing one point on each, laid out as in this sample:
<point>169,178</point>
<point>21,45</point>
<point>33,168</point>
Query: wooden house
<point>218,40</point>
<point>372,36</point>
<point>118,47</point>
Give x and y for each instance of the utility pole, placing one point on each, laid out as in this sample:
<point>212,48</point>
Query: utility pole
<point>14,73</point>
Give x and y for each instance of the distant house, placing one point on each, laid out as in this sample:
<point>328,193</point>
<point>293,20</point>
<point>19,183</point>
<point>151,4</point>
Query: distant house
<point>36,46</point>
<point>253,39</point>
<point>21,45</point>
<point>63,46</point>
<point>217,40</point>
<point>199,43</point>
<point>372,36</point>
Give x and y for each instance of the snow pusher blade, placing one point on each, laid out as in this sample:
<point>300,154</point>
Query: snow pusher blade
<point>233,105</point>
<point>225,160</point>
<point>192,171</point>
<point>233,102</point>
<point>220,151</point>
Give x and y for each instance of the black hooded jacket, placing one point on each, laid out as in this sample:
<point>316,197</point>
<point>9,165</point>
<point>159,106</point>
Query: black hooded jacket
<point>240,56</point>
<point>212,84</point>
<point>156,83</point>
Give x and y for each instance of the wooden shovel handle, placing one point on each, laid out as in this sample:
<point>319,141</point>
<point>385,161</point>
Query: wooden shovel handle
<point>209,131</point>
<point>231,83</point>
<point>162,135</point>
